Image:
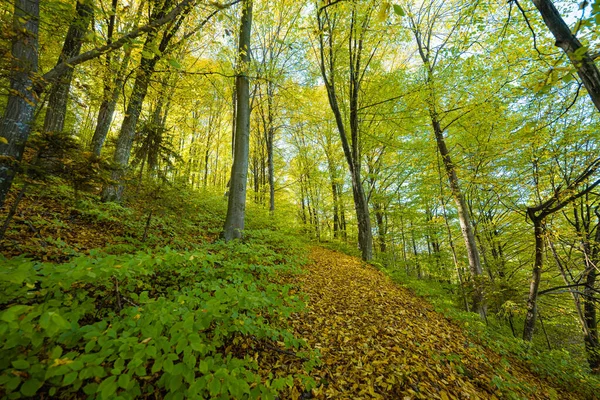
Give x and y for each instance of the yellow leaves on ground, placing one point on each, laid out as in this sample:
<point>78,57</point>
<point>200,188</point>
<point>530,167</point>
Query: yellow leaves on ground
<point>377,340</point>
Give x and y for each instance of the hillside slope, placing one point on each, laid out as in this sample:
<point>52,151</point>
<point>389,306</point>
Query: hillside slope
<point>378,340</point>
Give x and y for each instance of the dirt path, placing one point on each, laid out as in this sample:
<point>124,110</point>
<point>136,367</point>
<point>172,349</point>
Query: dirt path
<point>378,340</point>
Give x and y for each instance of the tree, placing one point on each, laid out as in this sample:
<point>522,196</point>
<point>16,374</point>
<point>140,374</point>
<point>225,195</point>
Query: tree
<point>562,197</point>
<point>59,91</point>
<point>424,25</point>
<point>18,115</point>
<point>236,205</point>
<point>27,86</point>
<point>579,55</point>
<point>329,44</point>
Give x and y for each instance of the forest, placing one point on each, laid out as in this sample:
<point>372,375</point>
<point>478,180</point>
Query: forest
<point>289,199</point>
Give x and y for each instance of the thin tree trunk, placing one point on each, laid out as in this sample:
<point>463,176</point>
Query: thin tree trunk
<point>336,218</point>
<point>592,341</point>
<point>114,191</point>
<point>236,205</point>
<point>107,108</point>
<point>381,229</point>
<point>20,107</point>
<point>536,276</point>
<point>59,92</point>
<point>463,216</point>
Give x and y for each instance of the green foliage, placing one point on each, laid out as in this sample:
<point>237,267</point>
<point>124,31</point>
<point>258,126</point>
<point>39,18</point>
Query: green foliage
<point>167,323</point>
<point>557,365</point>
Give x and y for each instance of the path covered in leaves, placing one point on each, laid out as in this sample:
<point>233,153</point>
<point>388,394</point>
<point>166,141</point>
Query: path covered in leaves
<point>378,340</point>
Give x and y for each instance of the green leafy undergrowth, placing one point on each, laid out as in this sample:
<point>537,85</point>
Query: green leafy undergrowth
<point>557,365</point>
<point>168,323</point>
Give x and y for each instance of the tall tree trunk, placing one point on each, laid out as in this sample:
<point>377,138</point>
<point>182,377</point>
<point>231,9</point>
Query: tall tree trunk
<point>592,341</point>
<point>336,218</point>
<point>536,276</point>
<point>59,92</point>
<point>581,60</point>
<point>351,150</point>
<point>107,107</point>
<point>20,107</point>
<point>114,191</point>
<point>381,229</point>
<point>270,132</point>
<point>463,216</point>
<point>236,205</point>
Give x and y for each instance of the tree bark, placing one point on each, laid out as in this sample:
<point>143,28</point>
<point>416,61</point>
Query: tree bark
<point>236,205</point>
<point>578,55</point>
<point>114,191</point>
<point>20,107</point>
<point>59,93</point>
<point>107,108</point>
<point>381,226</point>
<point>536,276</point>
<point>537,214</point>
<point>270,132</point>
<point>351,150</point>
<point>26,91</point>
<point>112,87</point>
<point>463,216</point>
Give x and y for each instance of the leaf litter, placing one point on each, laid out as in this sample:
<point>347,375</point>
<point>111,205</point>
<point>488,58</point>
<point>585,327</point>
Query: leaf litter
<point>377,340</point>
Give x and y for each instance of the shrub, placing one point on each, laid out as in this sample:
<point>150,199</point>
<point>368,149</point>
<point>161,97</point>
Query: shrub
<point>168,323</point>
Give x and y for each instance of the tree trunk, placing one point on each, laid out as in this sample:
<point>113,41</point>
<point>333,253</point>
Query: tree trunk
<point>581,60</point>
<point>536,276</point>
<point>270,136</point>
<point>236,205</point>
<point>25,91</point>
<point>107,108</point>
<point>381,229</point>
<point>336,218</point>
<point>114,191</point>
<point>592,344</point>
<point>463,216</point>
<point>592,341</point>
<point>59,93</point>
<point>20,107</point>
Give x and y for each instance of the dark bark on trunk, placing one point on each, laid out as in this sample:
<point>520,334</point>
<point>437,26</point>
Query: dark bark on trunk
<point>114,192</point>
<point>59,92</point>
<point>107,108</point>
<point>20,107</point>
<point>463,216</point>
<point>351,150</point>
<point>537,214</point>
<point>336,218</point>
<point>592,342</point>
<point>581,60</point>
<point>536,276</point>
<point>236,205</point>
<point>381,228</point>
<point>111,90</point>
<point>591,339</point>
<point>270,132</point>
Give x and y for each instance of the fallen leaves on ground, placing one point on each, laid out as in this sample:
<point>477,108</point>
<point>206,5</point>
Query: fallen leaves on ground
<point>379,341</point>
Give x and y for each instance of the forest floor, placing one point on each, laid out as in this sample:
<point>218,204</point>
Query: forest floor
<point>379,340</point>
<point>376,339</point>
